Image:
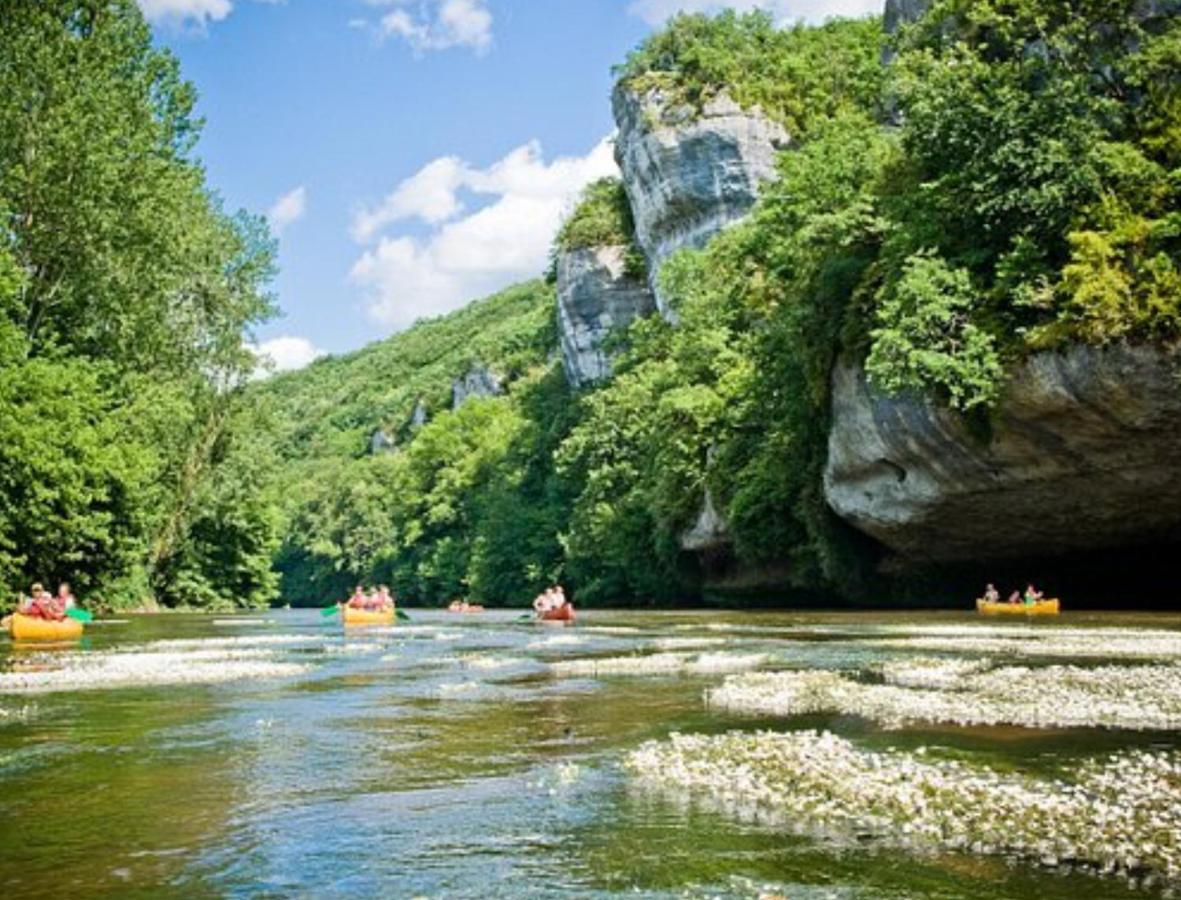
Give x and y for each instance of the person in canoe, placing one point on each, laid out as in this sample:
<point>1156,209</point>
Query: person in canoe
<point>992,595</point>
<point>383,599</point>
<point>544,601</point>
<point>1015,598</point>
<point>1032,595</point>
<point>359,598</point>
<point>43,605</point>
<point>65,597</point>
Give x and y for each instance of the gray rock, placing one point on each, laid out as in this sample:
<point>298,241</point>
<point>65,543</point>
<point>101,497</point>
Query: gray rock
<point>897,14</point>
<point>903,12</point>
<point>709,532</point>
<point>596,296</point>
<point>380,442</point>
<point>1083,453</point>
<point>688,174</point>
<point>480,381</point>
<point>419,415</point>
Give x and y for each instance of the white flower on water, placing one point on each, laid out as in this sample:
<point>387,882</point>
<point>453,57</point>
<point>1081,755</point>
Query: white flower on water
<point>1122,813</point>
<point>962,693</point>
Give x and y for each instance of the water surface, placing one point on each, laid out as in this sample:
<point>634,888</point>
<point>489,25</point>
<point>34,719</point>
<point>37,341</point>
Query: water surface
<point>450,758</point>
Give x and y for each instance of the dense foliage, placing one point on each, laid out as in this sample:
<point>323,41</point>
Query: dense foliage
<point>795,75</point>
<point>1009,182</point>
<point>125,292</point>
<point>603,218</point>
<point>462,504</point>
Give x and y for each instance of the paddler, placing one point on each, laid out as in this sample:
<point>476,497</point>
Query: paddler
<point>66,597</point>
<point>1032,595</point>
<point>358,600</point>
<point>384,599</point>
<point>991,594</point>
<point>42,605</point>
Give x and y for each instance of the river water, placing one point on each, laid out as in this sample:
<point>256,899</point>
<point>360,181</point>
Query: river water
<point>477,756</point>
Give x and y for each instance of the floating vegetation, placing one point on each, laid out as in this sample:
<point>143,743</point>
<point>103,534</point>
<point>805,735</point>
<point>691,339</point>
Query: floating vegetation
<point>660,664</point>
<point>1097,643</point>
<point>240,641</point>
<point>928,672</point>
<point>1120,814</point>
<point>1132,697</point>
<point>100,671</point>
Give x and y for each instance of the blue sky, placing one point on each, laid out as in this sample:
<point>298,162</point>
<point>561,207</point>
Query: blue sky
<point>413,155</point>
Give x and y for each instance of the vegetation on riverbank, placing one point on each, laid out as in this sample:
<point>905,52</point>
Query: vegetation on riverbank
<point>1008,183</point>
<point>125,292</point>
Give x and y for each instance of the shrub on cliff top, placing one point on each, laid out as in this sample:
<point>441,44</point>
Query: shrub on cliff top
<point>794,74</point>
<point>603,218</point>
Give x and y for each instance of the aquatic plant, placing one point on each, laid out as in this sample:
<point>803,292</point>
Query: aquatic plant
<point>1120,814</point>
<point>660,664</point>
<point>100,671</point>
<point>1049,643</point>
<point>1132,697</point>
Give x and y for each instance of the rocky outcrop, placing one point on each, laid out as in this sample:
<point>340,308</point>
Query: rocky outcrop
<point>897,14</point>
<point>480,381</point>
<point>1081,453</point>
<point>596,296</point>
<point>709,533</point>
<point>689,173</point>
<point>419,415</point>
<point>380,442</point>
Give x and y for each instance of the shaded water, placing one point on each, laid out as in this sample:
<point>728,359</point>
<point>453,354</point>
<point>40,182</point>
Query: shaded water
<point>447,758</point>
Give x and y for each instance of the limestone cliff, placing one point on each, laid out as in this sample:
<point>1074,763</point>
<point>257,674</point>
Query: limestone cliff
<point>479,381</point>
<point>689,173</point>
<point>596,297</point>
<point>1081,453</point>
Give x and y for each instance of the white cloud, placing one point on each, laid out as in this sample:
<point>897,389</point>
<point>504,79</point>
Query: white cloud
<point>467,256</point>
<point>428,195</point>
<point>288,209</point>
<point>284,354</point>
<point>193,13</point>
<point>655,12</point>
<point>437,24</point>
<point>178,12</point>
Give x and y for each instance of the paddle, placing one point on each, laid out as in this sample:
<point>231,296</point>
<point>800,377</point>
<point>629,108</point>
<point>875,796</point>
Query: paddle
<point>81,615</point>
<point>402,617</point>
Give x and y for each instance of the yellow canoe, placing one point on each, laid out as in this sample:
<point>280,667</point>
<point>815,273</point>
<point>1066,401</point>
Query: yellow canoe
<point>32,628</point>
<point>1040,608</point>
<point>367,617</point>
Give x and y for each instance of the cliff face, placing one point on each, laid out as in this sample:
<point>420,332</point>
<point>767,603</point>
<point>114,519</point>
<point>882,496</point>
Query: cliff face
<point>688,173</point>
<point>596,296</point>
<point>480,381</point>
<point>1083,453</point>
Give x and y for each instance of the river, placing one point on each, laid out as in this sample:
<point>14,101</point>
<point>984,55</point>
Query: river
<point>485,756</point>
